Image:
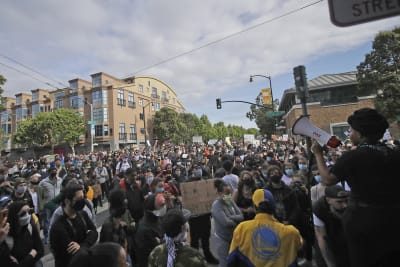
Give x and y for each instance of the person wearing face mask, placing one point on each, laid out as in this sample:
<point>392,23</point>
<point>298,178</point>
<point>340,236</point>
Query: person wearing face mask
<point>120,226</point>
<point>327,215</point>
<point>35,190</point>
<point>73,229</point>
<point>149,232</point>
<point>175,252</point>
<point>23,240</point>
<point>288,170</point>
<point>51,187</point>
<point>286,205</point>
<point>21,192</point>
<point>134,194</point>
<point>226,215</point>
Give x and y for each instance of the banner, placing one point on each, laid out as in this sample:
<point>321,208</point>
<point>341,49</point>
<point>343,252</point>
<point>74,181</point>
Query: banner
<point>198,196</point>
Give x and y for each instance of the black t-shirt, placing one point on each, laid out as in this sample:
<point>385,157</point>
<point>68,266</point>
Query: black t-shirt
<point>372,172</point>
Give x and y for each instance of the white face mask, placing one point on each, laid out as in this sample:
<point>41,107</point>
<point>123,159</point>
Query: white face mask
<point>182,236</point>
<point>25,219</point>
<point>161,212</point>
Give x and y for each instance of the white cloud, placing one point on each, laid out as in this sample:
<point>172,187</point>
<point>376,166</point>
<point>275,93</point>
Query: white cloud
<point>69,39</point>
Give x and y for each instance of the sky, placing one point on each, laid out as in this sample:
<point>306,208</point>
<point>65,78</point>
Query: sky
<point>202,49</point>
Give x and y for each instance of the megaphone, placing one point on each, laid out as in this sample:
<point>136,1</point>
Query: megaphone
<point>303,126</point>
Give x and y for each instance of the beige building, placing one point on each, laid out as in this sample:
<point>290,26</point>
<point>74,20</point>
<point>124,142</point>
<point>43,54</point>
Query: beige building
<point>118,111</point>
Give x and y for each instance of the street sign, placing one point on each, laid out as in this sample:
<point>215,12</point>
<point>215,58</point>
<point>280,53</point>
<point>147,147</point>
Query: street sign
<point>267,96</point>
<point>90,122</point>
<point>275,113</point>
<point>350,12</point>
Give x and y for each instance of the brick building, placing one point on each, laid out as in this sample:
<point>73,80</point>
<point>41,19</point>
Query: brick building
<point>332,98</point>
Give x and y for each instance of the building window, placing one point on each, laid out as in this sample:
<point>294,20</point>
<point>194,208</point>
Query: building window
<point>98,130</point>
<point>96,81</point>
<point>36,108</point>
<point>75,102</point>
<point>141,117</point>
<point>140,101</point>
<point>148,83</point>
<point>100,115</point>
<point>154,92</point>
<point>73,85</point>
<point>99,97</point>
<point>35,96</point>
<point>132,135</point>
<point>18,101</point>
<point>105,129</point>
<point>140,88</point>
<point>158,106</point>
<point>131,100</point>
<point>120,97</point>
<point>142,130</point>
<point>122,131</point>
<point>21,113</point>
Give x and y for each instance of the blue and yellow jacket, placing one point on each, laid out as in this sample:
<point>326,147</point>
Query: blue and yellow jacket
<point>264,242</point>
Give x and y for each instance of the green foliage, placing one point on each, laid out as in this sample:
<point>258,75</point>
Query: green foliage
<point>380,73</point>
<point>2,82</point>
<point>168,125</point>
<point>51,128</point>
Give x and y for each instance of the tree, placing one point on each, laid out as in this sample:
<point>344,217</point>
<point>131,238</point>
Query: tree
<point>380,73</point>
<point>2,82</point>
<point>51,129</point>
<point>167,126</point>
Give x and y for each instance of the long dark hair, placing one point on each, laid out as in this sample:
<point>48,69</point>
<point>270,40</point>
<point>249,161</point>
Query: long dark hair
<point>13,217</point>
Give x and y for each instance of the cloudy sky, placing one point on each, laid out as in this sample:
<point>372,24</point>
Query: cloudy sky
<point>203,49</point>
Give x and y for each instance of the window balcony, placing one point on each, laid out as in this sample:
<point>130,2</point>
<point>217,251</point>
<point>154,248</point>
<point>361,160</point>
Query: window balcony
<point>122,136</point>
<point>121,102</point>
<point>165,100</point>
<point>133,136</point>
<point>155,96</point>
<point>131,104</point>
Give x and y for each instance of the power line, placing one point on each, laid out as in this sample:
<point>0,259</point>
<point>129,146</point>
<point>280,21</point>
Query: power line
<point>226,37</point>
<point>33,77</point>
<point>33,70</point>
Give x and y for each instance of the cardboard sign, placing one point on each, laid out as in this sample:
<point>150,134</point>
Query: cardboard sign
<point>198,196</point>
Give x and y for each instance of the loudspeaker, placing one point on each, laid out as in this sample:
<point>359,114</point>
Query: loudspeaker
<point>303,126</point>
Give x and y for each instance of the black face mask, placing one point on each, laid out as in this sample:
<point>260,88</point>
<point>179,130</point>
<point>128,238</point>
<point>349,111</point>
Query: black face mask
<point>79,204</point>
<point>53,174</point>
<point>275,178</point>
<point>35,182</point>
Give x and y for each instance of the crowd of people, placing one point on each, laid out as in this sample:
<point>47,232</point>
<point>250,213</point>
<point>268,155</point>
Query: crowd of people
<point>274,205</point>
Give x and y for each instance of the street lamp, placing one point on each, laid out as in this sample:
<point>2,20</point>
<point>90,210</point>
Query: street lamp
<point>91,123</point>
<point>270,86</point>
<point>144,123</point>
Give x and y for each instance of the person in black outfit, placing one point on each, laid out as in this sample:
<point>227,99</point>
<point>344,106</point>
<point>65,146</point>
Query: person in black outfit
<point>328,211</point>
<point>371,170</point>
<point>149,233</point>
<point>134,194</point>
<point>73,229</point>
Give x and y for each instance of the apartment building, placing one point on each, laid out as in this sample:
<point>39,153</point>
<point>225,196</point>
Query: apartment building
<point>118,111</point>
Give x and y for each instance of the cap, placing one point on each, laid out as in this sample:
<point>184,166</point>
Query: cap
<point>18,181</point>
<point>368,122</point>
<point>4,201</point>
<point>336,191</point>
<point>263,195</point>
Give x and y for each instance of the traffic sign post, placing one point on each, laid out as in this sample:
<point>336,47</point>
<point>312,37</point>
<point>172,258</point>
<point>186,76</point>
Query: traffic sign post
<point>275,113</point>
<point>350,12</point>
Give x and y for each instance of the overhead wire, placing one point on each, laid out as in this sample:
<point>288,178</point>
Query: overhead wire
<point>226,37</point>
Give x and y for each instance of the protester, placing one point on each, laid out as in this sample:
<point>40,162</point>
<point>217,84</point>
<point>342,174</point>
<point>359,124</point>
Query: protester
<point>264,241</point>
<point>328,212</point>
<point>175,252</point>
<point>227,216</point>
<point>74,229</point>
<point>371,170</point>
<point>26,247</point>
<point>106,254</point>
<point>243,195</point>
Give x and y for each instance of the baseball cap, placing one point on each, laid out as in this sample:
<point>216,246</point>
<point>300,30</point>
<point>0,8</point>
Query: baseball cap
<point>263,195</point>
<point>336,191</point>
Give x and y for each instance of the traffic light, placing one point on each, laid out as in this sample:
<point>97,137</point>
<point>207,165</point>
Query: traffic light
<point>266,96</point>
<point>219,106</point>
